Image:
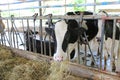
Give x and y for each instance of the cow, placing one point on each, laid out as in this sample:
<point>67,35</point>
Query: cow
<point>33,44</point>
<point>108,35</point>
<point>68,32</point>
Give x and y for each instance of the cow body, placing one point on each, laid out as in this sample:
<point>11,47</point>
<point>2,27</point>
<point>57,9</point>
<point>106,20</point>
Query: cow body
<point>68,33</point>
<point>108,35</point>
<point>33,44</point>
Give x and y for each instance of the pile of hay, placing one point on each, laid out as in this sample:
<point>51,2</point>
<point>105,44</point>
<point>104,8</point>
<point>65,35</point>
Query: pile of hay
<point>16,68</point>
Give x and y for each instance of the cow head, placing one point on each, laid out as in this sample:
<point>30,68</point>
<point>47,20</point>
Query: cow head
<point>29,33</point>
<point>29,36</point>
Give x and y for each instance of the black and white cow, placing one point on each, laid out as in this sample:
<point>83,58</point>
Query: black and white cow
<point>68,31</point>
<point>108,31</point>
<point>32,44</point>
<point>108,35</point>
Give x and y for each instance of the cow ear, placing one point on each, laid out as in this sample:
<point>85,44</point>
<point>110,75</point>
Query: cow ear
<point>51,32</point>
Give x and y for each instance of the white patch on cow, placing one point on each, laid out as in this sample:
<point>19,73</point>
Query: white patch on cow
<point>60,30</point>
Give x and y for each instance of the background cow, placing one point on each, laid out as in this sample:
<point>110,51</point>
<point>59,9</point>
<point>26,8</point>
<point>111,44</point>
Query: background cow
<point>108,35</point>
<point>33,44</point>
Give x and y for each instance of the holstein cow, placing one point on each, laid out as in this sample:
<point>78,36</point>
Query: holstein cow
<point>108,35</point>
<point>33,44</point>
<point>68,31</point>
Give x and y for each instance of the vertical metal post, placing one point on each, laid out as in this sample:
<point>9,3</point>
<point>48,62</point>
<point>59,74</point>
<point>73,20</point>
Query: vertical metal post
<point>65,7</point>
<point>85,60</point>
<point>101,45</point>
<point>78,60</point>
<point>85,4</point>
<point>34,36</point>
<point>40,28</point>
<point>9,36</point>
<point>12,31</point>
<point>28,32</point>
<point>23,33</point>
<point>113,45</point>
<point>94,6</point>
<point>118,52</point>
<point>80,25</point>
<point>49,25</point>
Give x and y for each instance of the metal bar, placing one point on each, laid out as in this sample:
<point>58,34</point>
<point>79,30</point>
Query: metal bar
<point>23,33</point>
<point>67,5</point>
<point>49,25</point>
<point>34,36</point>
<point>16,38</point>
<point>113,45</point>
<point>41,28</point>
<point>19,2</point>
<point>85,59</point>
<point>28,32</point>
<point>101,44</point>
<point>78,42</point>
<point>64,17</point>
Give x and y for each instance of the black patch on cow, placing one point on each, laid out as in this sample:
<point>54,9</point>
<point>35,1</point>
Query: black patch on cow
<point>71,35</point>
<point>73,30</point>
<point>92,28</point>
<point>109,30</point>
<point>39,44</point>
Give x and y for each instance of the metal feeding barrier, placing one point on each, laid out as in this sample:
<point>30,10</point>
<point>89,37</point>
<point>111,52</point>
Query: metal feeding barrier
<point>14,38</point>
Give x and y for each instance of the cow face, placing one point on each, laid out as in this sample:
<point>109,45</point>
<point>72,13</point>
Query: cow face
<point>29,33</point>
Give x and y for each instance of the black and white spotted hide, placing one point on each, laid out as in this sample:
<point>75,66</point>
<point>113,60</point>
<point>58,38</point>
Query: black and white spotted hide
<point>68,31</point>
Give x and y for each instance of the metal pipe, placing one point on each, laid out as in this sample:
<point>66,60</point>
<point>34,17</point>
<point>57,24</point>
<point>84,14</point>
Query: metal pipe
<point>67,5</point>
<point>101,44</point>
<point>113,45</point>
<point>23,33</point>
<point>63,17</point>
<point>40,28</point>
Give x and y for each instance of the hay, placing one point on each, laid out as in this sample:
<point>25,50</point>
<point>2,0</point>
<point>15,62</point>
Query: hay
<point>17,68</point>
<point>59,71</point>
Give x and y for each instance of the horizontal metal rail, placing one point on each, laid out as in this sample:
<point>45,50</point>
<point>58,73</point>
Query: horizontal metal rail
<point>64,17</point>
<point>67,5</point>
<point>19,2</point>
